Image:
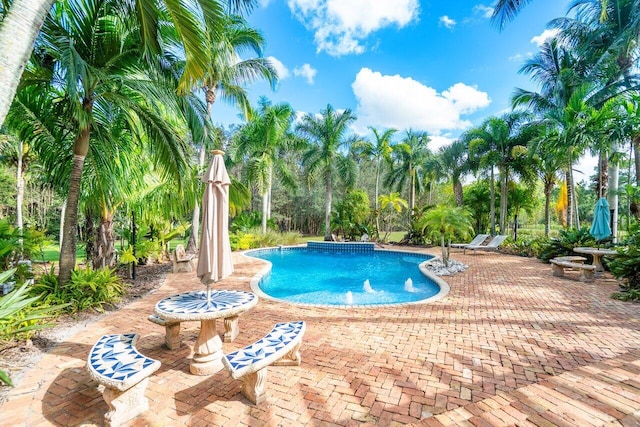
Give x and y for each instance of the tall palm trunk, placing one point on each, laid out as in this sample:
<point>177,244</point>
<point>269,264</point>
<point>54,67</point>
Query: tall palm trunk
<point>376,203</point>
<point>457,191</point>
<point>327,208</point>
<point>492,208</point>
<point>18,33</point>
<point>69,233</point>
<point>192,244</point>
<point>548,189</point>
<point>20,188</point>
<point>105,243</point>
<point>504,181</point>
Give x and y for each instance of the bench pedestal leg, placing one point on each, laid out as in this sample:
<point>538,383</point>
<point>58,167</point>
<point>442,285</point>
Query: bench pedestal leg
<point>207,358</point>
<point>172,336</point>
<point>557,270</point>
<point>254,386</point>
<point>125,405</point>
<point>231,328</point>
<point>290,359</point>
<point>587,276</point>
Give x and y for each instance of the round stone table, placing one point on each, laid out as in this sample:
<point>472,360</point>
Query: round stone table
<point>597,253</point>
<point>195,305</point>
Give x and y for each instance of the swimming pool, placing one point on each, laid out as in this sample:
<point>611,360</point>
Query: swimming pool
<point>346,275</point>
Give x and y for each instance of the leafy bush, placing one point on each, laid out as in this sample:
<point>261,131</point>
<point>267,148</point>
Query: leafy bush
<point>20,314</point>
<point>565,242</point>
<point>87,288</point>
<point>626,266</point>
<point>528,247</point>
<point>242,241</point>
<point>247,221</point>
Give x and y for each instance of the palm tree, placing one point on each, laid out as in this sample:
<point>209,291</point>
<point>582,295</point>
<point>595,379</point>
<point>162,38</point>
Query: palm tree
<point>326,134</point>
<point>227,74</point>
<point>98,68</point>
<point>443,223</point>
<point>261,142</point>
<point>377,151</point>
<point>410,158</point>
<point>454,160</point>
<point>394,203</point>
<point>24,18</point>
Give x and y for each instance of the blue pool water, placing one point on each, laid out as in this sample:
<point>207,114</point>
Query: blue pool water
<point>312,276</point>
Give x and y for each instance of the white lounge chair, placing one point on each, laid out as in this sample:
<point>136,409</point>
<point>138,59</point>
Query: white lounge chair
<point>491,246</point>
<point>478,240</point>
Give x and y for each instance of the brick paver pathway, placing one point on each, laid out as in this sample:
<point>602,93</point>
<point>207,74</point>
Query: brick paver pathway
<point>509,345</point>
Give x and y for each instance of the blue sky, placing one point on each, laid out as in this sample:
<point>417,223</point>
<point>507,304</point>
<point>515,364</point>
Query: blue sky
<point>435,66</point>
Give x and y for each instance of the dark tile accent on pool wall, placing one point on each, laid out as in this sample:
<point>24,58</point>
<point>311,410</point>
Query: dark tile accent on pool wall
<point>342,246</point>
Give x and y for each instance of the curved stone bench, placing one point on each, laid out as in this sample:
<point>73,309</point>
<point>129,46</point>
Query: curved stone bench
<point>587,271</point>
<point>115,363</point>
<point>279,347</point>
<point>181,260</point>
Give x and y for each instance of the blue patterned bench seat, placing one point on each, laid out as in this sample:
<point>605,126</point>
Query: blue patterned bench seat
<point>115,363</point>
<point>280,347</point>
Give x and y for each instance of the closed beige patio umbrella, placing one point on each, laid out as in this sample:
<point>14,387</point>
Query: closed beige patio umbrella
<point>214,259</point>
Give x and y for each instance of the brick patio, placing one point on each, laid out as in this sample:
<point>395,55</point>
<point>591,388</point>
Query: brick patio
<point>509,345</point>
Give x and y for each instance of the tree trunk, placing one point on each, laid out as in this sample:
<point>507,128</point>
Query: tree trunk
<point>327,208</point>
<point>69,233</point>
<point>603,175</point>
<point>20,189</point>
<point>548,188</point>
<point>376,212</point>
<point>265,201</point>
<point>504,178</point>
<point>105,243</point>
<point>492,208</point>
<point>568,179</point>
<point>445,257</point>
<point>18,33</point>
<point>457,192</point>
<point>192,244</point>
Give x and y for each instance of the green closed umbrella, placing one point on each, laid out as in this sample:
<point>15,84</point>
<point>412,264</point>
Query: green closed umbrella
<point>600,227</point>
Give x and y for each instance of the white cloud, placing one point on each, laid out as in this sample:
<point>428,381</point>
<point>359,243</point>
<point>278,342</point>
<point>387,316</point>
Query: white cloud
<point>447,22</point>
<point>403,103</point>
<point>485,11</point>
<point>341,26</point>
<point>306,71</point>
<point>545,36</point>
<point>281,69</point>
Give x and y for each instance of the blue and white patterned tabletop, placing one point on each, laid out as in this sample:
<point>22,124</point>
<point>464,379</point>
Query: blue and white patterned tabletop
<point>196,306</point>
<point>114,361</point>
<point>262,352</point>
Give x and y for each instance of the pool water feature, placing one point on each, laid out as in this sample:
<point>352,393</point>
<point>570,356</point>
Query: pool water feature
<point>317,276</point>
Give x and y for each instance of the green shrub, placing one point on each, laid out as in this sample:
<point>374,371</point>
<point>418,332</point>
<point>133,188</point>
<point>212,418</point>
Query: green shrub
<point>529,246</point>
<point>88,288</point>
<point>20,314</point>
<point>626,266</point>
<point>565,242</point>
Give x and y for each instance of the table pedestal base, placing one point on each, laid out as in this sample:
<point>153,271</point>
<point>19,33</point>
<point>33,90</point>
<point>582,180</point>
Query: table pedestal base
<point>207,358</point>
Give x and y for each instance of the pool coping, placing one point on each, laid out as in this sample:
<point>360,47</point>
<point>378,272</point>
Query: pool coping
<point>255,280</point>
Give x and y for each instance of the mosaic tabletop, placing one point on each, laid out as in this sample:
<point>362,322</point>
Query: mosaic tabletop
<point>264,351</point>
<point>114,361</point>
<point>196,305</point>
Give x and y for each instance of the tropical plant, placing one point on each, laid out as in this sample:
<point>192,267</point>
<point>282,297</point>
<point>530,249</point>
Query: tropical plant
<point>19,314</point>
<point>105,75</point>
<point>408,170</point>
<point>378,151</point>
<point>625,266</point>
<point>565,242</point>
<point>261,143</point>
<point>443,223</point>
<point>455,162</point>
<point>391,207</point>
<point>228,73</point>
<point>326,134</point>
<point>351,218</point>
